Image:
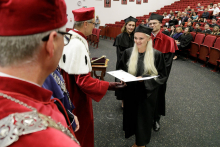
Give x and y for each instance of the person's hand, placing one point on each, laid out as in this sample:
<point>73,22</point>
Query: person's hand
<point>77,123</point>
<point>116,85</point>
<point>139,78</point>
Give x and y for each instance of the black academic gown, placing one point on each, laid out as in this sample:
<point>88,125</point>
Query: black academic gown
<point>166,32</point>
<point>197,30</point>
<point>122,42</point>
<point>185,41</point>
<point>190,28</point>
<point>140,98</point>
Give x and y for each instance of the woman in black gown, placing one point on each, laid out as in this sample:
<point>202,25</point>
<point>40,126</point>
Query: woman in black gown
<point>122,42</point>
<point>140,97</point>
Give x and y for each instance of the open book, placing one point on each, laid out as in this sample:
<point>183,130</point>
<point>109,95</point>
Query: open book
<point>126,77</point>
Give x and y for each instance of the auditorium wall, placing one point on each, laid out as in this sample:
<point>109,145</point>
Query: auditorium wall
<point>117,11</point>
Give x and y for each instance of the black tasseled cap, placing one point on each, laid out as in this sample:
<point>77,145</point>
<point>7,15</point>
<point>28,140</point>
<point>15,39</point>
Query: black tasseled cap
<point>130,18</point>
<point>144,29</point>
<point>156,17</point>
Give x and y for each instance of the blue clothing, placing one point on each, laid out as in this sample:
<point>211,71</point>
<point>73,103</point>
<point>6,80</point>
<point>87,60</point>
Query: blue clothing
<point>195,17</point>
<point>61,93</point>
<point>177,36</point>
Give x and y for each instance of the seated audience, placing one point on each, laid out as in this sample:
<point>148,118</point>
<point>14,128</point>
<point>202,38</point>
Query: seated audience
<point>198,6</point>
<point>194,17</point>
<point>188,8</point>
<point>165,15</point>
<point>172,31</point>
<point>173,21</point>
<point>182,25</point>
<point>215,30</point>
<point>214,23</point>
<point>211,5</point>
<point>215,10</point>
<point>146,24</point>
<point>166,32</point>
<point>189,25</point>
<point>201,9</point>
<point>184,18</point>
<point>207,30</point>
<point>209,8</point>
<point>184,41</point>
<point>191,13</point>
<point>178,33</point>
<point>170,13</point>
<point>197,29</point>
<point>142,22</point>
<point>179,14</point>
<point>205,14</point>
<point>218,5</point>
<point>202,20</point>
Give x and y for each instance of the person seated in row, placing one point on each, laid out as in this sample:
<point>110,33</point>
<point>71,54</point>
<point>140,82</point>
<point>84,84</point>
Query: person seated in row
<point>170,13</point>
<point>209,8</point>
<point>165,15</point>
<point>176,37</point>
<point>198,5</point>
<point>205,14</point>
<point>202,20</point>
<point>182,25</point>
<point>172,30</point>
<point>197,28</point>
<point>215,11</point>
<point>184,41</point>
<point>173,20</point>
<point>188,8</point>
<point>179,14</point>
<point>189,25</point>
<point>214,22</point>
<point>201,9</point>
<point>184,17</point>
<point>166,32</point>
<point>211,5</point>
<point>207,30</point>
<point>195,17</point>
<point>218,5</point>
<point>215,30</point>
<point>147,24</point>
<point>142,22</point>
<point>191,13</point>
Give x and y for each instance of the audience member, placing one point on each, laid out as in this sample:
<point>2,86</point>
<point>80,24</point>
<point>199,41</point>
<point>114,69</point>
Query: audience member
<point>194,17</point>
<point>170,13</point>
<point>165,30</point>
<point>184,41</point>
<point>97,22</point>
<point>201,9</point>
<point>191,13</point>
<point>202,20</point>
<point>188,8</point>
<point>218,5</point>
<point>214,23</point>
<point>215,10</point>
<point>207,30</point>
<point>197,28</point>
<point>179,14</point>
<point>184,18</point>
<point>147,24</point>
<point>211,5</point>
<point>210,8</point>
<point>205,14</point>
<point>215,30</point>
<point>172,30</point>
<point>182,25</point>
<point>165,15</point>
<point>142,22</point>
<point>176,37</point>
<point>189,25</point>
<point>198,6</point>
<point>173,21</point>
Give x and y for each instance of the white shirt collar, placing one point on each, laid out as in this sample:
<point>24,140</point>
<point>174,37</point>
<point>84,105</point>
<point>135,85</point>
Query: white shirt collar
<point>13,77</point>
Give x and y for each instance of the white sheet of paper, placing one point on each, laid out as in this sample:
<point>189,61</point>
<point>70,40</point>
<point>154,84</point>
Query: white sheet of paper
<point>126,77</point>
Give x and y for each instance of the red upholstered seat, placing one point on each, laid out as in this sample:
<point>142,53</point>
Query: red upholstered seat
<point>193,34</point>
<point>205,47</point>
<point>214,56</point>
<point>93,36</point>
<point>194,51</point>
<point>96,38</point>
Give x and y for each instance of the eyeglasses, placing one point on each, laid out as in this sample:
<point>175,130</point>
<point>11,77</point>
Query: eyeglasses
<point>92,22</point>
<point>67,37</point>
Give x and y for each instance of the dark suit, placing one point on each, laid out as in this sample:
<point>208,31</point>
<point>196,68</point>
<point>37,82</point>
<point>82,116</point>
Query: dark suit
<point>207,31</point>
<point>205,15</point>
<point>184,19</point>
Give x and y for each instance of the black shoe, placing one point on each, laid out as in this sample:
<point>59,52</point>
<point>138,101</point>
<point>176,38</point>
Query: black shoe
<point>156,126</point>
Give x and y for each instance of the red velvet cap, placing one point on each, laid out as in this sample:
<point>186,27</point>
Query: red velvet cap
<point>26,17</point>
<point>83,14</point>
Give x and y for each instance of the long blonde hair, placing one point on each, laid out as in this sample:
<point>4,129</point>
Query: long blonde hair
<point>149,67</point>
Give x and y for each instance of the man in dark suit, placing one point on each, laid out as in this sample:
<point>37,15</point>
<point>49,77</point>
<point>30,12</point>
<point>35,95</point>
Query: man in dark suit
<point>184,18</point>
<point>214,22</point>
<point>205,14</point>
<point>197,29</point>
<point>146,24</point>
<point>189,25</point>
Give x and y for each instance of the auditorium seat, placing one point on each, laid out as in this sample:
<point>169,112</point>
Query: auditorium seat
<point>93,36</point>
<point>194,51</point>
<point>214,56</point>
<point>193,34</point>
<point>205,47</point>
<point>96,38</point>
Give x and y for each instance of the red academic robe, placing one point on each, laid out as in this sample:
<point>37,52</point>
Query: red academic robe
<point>167,46</point>
<point>82,89</point>
<point>38,98</point>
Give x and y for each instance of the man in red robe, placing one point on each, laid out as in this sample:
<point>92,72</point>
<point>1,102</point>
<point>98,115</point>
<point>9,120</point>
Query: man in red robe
<point>76,68</point>
<point>167,46</point>
<point>31,44</point>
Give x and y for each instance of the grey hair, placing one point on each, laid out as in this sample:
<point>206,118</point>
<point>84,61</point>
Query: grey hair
<point>19,50</point>
<point>78,24</point>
